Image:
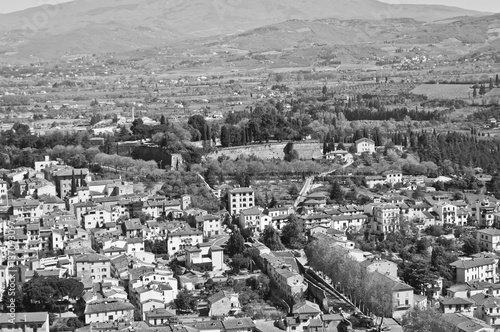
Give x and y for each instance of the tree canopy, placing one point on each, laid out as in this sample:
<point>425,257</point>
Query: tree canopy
<point>292,235</point>
<point>42,293</point>
<point>271,238</point>
<point>235,244</point>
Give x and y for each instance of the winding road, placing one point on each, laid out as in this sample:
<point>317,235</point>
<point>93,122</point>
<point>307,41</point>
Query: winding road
<point>309,182</point>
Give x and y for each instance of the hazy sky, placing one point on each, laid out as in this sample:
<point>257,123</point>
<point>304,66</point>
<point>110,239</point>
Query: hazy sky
<point>492,6</point>
<point>7,6</point>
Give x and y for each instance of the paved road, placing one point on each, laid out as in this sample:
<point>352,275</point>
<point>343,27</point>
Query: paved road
<point>332,171</point>
<point>304,191</point>
<point>221,240</point>
<point>309,182</point>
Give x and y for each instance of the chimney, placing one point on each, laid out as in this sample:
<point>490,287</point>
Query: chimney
<point>47,158</point>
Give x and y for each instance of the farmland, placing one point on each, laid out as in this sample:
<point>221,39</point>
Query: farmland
<point>444,91</point>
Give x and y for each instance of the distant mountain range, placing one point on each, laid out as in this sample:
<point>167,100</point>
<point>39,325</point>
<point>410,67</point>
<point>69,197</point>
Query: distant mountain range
<point>101,26</point>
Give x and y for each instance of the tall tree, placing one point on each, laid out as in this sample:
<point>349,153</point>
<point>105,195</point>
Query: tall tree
<point>482,90</point>
<point>235,244</point>
<point>82,179</point>
<point>185,301</point>
<point>290,152</point>
<point>271,239</point>
<point>470,246</point>
<point>336,192</point>
<point>292,235</point>
<point>73,183</point>
<point>225,137</point>
<point>425,320</point>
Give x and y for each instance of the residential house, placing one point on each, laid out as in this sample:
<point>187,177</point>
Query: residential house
<point>96,218</point>
<point>289,282</point>
<point>81,208</point>
<point>98,265</point>
<point>315,219</point>
<point>487,308</point>
<point>354,222</point>
<point>159,317</point>
<point>338,156</point>
<point>484,213</point>
<point>488,239</point>
<point>205,256</point>
<point>468,289</point>
<point>148,297</point>
<point>26,209</point>
<point>364,145</point>
<point>219,304</point>
<point>64,177</point>
<point>381,265</point>
<point>447,212</point>
<point>50,204</point>
<point>423,220</point>
<point>211,225</point>
<point>464,323</point>
<point>25,322</point>
<point>244,324</point>
<point>457,304</point>
<point>206,326</point>
<point>134,246</point>
<point>373,180</point>
<point>182,239</point>
<point>279,211</point>
<point>41,165</point>
<point>33,188</point>
<point>254,219</point>
<point>386,218</point>
<point>315,201</point>
<point>402,294</point>
<point>480,269</point>
<point>3,189</point>
<point>304,316</point>
<point>132,228</point>
<point>108,310</point>
<point>393,177</point>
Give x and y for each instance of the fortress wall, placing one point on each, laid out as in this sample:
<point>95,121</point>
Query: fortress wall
<point>306,150</point>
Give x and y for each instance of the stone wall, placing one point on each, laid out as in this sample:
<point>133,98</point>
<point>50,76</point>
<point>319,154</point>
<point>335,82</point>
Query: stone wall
<point>307,150</point>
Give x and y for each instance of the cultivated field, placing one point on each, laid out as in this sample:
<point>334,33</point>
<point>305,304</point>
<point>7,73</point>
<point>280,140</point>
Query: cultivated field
<point>444,91</point>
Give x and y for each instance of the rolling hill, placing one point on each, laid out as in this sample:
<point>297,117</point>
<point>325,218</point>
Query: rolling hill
<point>101,26</point>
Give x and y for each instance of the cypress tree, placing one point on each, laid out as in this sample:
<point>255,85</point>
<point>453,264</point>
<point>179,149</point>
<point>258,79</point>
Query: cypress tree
<point>82,179</point>
<point>73,183</point>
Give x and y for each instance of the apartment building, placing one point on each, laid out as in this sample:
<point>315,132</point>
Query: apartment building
<point>476,269</point>
<point>239,199</point>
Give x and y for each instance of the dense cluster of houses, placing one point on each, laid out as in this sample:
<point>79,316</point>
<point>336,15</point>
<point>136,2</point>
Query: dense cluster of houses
<point>97,231</point>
